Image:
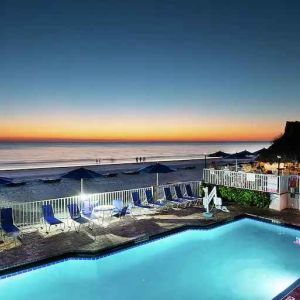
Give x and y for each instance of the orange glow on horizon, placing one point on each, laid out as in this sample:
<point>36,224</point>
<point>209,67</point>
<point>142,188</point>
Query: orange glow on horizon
<point>191,135</point>
<point>187,129</point>
<point>129,140</point>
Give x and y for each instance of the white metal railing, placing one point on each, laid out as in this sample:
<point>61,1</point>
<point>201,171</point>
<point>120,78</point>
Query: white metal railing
<point>283,184</point>
<point>251,181</point>
<point>30,213</point>
<point>294,195</point>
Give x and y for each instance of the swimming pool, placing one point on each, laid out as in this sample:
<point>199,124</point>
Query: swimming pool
<point>246,259</point>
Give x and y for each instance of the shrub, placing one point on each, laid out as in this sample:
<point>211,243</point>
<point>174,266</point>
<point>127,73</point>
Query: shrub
<point>243,197</point>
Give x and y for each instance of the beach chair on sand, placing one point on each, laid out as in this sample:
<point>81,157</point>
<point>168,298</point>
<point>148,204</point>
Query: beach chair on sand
<point>50,219</point>
<point>190,193</point>
<point>7,224</point>
<point>179,195</point>
<point>177,201</point>
<point>138,203</point>
<point>151,201</point>
<point>76,217</point>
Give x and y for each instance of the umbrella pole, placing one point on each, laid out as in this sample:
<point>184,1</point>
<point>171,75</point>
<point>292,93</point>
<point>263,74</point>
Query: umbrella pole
<point>81,187</point>
<point>155,188</point>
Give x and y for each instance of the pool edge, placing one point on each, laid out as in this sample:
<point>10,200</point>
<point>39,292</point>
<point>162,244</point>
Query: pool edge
<point>98,254</point>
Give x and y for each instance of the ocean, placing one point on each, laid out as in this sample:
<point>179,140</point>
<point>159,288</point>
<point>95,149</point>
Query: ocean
<point>44,155</point>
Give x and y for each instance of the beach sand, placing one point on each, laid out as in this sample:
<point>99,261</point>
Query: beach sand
<point>35,190</point>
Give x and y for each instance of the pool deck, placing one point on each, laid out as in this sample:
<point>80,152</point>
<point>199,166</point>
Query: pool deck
<point>38,246</point>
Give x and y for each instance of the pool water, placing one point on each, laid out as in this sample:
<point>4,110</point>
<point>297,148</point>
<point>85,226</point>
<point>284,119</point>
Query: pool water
<point>246,259</point>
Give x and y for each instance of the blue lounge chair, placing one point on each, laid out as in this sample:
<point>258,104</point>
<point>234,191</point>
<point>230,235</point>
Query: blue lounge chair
<point>7,223</point>
<point>151,200</point>
<point>76,216</point>
<point>118,209</point>
<point>87,209</point>
<point>88,212</point>
<point>118,206</point>
<point>190,194</point>
<point>49,218</point>
<point>122,213</point>
<point>179,195</point>
<point>137,201</point>
<point>169,197</point>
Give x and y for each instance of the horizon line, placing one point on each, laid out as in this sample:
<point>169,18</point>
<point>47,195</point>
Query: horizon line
<point>57,140</point>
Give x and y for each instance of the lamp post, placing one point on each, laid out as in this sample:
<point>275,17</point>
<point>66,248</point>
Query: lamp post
<point>278,171</point>
<point>205,155</point>
<point>278,168</point>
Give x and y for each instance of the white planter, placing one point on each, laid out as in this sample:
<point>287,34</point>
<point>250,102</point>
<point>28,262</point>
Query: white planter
<point>279,202</point>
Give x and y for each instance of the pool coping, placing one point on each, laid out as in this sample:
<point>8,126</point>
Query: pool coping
<point>141,240</point>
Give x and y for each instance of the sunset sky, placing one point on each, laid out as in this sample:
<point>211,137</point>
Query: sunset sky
<point>148,70</point>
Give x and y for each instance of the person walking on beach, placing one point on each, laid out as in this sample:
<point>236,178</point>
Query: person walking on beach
<point>137,159</point>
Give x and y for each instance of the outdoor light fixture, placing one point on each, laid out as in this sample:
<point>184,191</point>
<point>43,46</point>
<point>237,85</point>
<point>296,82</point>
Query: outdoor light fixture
<point>279,158</point>
<point>84,197</point>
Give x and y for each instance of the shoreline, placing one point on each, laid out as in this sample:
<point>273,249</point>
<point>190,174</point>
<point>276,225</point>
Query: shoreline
<point>27,173</point>
<point>104,166</point>
<point>89,162</point>
<point>53,155</point>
